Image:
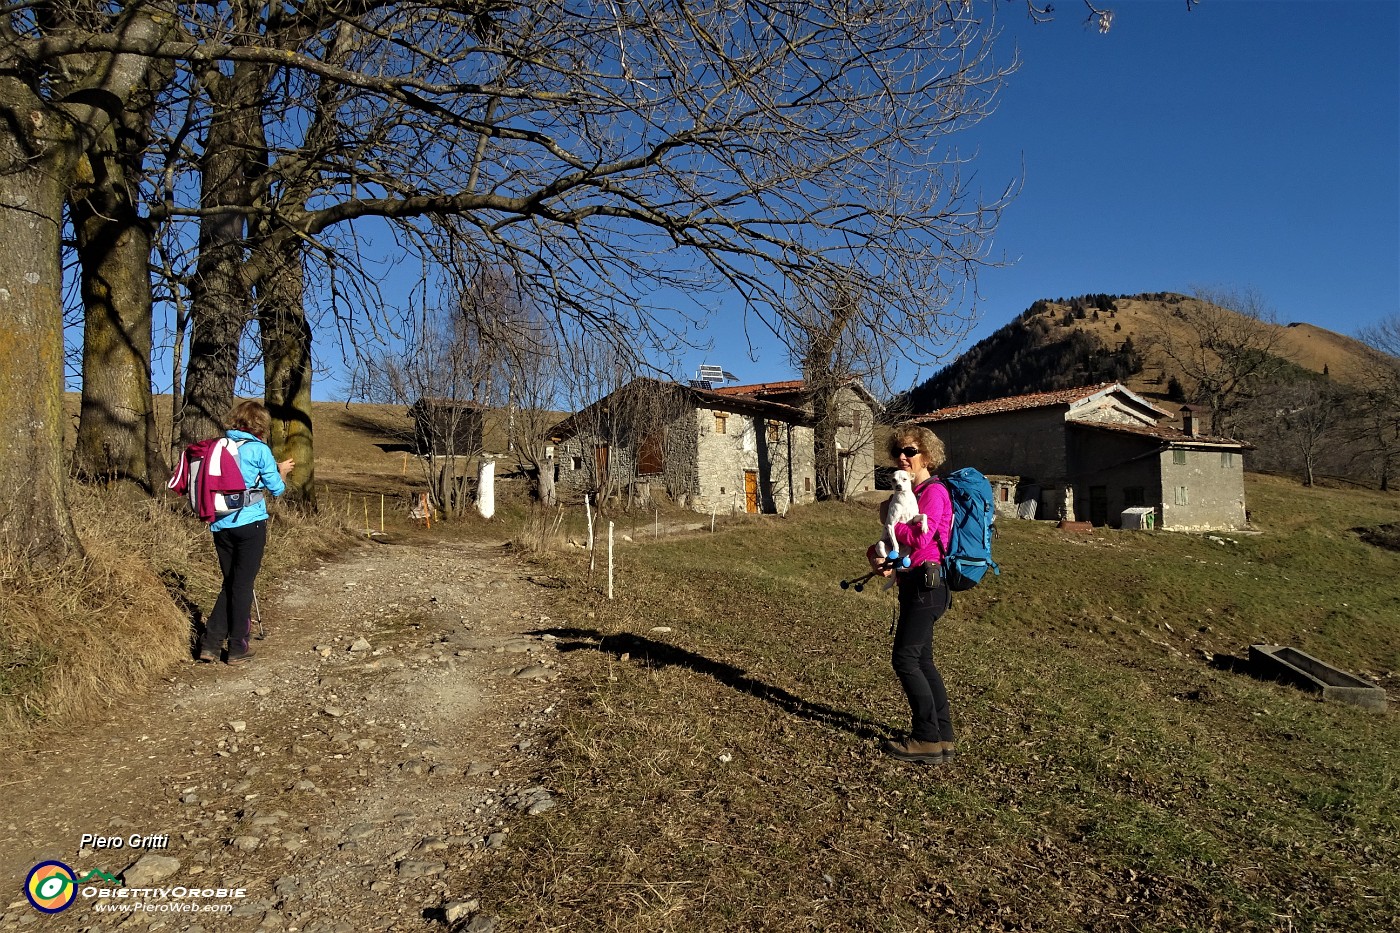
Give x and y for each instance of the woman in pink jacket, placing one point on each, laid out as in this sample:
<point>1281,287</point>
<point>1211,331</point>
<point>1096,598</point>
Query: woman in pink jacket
<point>923,598</point>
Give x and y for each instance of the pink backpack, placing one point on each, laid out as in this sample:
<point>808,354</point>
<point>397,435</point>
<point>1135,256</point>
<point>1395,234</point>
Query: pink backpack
<point>210,476</point>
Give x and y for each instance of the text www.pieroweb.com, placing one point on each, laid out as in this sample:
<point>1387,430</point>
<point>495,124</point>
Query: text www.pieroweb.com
<point>172,907</point>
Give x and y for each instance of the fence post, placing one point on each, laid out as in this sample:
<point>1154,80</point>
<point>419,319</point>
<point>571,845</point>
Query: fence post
<point>592,553</point>
<point>486,488</point>
<point>610,560</point>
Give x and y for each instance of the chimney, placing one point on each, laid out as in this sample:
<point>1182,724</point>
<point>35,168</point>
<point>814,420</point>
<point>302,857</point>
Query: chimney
<point>1188,420</point>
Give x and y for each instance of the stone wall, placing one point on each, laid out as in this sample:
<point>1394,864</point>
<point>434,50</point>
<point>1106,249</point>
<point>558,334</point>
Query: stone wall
<point>1111,472</point>
<point>1206,493</point>
<point>1092,475</point>
<point>1029,444</point>
<point>779,455</point>
<point>856,438</point>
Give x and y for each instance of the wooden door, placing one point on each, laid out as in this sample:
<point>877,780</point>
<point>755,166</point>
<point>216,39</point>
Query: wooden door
<point>1098,505</point>
<point>751,491</point>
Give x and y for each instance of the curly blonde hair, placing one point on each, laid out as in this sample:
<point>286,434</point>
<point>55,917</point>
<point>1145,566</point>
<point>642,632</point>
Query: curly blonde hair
<point>252,417</point>
<point>915,435</point>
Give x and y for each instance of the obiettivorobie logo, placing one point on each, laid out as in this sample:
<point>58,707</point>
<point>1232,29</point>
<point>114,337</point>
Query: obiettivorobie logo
<point>53,886</point>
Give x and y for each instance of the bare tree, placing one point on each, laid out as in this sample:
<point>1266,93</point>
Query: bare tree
<point>1378,414</point>
<point>1223,343</point>
<point>832,345</point>
<point>443,371</point>
<point>600,151</point>
<point>610,402</point>
<point>51,117</point>
<point>1306,418</point>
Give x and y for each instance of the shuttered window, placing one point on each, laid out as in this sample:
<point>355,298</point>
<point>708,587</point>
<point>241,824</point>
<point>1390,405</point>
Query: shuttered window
<point>651,457</point>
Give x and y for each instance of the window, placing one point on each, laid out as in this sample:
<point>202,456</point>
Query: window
<point>772,434</point>
<point>721,422</point>
<point>576,463</point>
<point>807,483</point>
<point>855,419</point>
<point>1178,456</point>
<point>1227,459</point>
<point>1133,497</point>
<point>1181,495</point>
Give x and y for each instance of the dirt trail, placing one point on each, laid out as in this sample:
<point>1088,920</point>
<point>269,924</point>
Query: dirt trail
<point>386,737</point>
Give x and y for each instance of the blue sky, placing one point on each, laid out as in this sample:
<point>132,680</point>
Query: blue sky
<point>1243,144</point>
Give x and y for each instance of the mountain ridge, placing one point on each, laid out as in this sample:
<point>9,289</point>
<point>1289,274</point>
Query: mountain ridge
<point>1069,342</point>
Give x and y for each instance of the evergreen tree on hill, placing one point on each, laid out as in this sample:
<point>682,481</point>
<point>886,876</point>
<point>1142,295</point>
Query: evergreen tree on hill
<point>1024,357</point>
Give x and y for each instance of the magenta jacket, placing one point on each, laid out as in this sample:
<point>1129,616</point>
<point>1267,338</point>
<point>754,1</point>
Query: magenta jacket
<point>928,546</point>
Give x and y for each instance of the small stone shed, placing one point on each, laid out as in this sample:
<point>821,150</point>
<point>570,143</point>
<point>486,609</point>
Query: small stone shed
<point>1088,454</point>
<point>446,427</point>
<point>736,449</point>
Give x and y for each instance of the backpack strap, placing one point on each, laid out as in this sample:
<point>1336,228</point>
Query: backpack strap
<point>257,486</point>
<point>947,543</point>
<point>238,446</point>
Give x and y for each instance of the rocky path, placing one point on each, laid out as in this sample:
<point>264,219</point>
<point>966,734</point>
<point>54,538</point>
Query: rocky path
<point>385,739</point>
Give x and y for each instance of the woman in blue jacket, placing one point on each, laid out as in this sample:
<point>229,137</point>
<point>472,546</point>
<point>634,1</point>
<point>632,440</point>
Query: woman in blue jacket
<point>241,537</point>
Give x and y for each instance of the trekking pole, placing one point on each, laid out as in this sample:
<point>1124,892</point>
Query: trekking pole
<point>892,562</point>
<point>257,617</point>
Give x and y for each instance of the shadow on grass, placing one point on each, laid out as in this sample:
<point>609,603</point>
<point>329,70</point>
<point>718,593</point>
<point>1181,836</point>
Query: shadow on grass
<point>658,654</point>
<point>1230,664</point>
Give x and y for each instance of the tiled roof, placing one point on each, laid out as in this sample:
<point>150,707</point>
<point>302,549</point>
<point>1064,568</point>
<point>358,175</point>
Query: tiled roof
<point>1019,402</point>
<point>762,388</point>
<point>697,398</point>
<point>1160,432</point>
<point>795,390</point>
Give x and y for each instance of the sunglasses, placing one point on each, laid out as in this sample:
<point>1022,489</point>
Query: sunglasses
<point>910,452</point>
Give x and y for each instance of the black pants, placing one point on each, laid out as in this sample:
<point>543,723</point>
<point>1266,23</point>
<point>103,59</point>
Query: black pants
<point>240,553</point>
<point>912,657</point>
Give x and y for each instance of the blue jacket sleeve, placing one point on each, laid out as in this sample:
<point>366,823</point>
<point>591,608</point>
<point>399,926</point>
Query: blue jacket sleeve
<point>259,456</point>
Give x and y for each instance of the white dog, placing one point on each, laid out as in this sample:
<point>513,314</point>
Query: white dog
<point>903,506</point>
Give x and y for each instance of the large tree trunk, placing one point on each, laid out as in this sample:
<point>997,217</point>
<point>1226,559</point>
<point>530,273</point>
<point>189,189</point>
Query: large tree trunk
<point>41,140</point>
<point>546,483</point>
<point>117,430</point>
<point>286,345</point>
<point>34,519</point>
<point>220,299</point>
<point>826,453</point>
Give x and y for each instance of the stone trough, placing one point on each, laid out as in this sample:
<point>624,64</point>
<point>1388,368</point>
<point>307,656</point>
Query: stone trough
<point>1304,670</point>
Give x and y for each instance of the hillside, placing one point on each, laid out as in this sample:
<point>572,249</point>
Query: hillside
<point>360,447</point>
<point>1050,346</point>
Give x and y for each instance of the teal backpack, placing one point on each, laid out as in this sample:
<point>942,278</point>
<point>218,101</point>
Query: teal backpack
<point>967,555</point>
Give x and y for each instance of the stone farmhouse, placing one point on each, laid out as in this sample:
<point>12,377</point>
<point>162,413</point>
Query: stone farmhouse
<point>741,448</point>
<point>1092,453</point>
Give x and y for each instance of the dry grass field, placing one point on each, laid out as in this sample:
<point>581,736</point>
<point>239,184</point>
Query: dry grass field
<point>1308,346</point>
<point>361,449</point>
<point>1119,768</point>
<point>714,757</point>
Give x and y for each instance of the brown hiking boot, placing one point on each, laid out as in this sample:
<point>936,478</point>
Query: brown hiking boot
<point>950,749</point>
<point>241,658</point>
<point>914,750</point>
<point>207,657</point>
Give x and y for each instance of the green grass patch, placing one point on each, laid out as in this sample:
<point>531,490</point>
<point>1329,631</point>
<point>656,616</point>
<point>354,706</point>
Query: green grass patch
<point>721,770</point>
